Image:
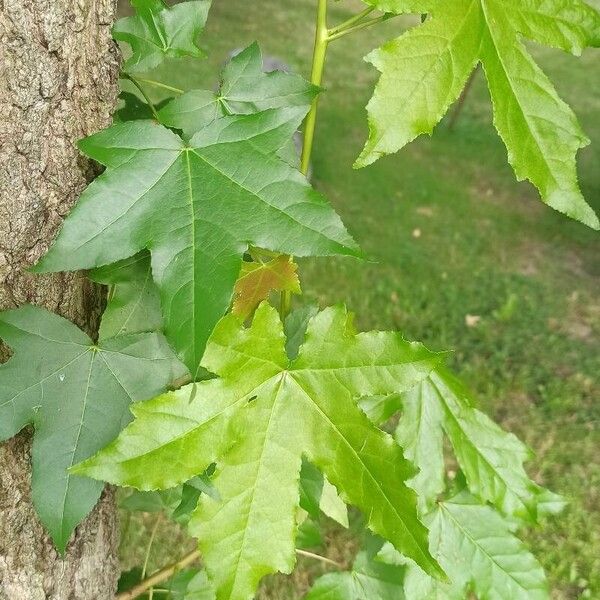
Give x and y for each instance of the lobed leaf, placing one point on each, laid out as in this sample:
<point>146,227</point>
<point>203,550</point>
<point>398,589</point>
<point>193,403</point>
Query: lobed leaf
<point>158,31</point>
<point>491,459</point>
<point>257,280</point>
<point>76,395</point>
<point>424,71</point>
<point>197,207</point>
<point>369,579</point>
<point>257,422</point>
<point>244,89</point>
<point>479,552</point>
<point>133,304</point>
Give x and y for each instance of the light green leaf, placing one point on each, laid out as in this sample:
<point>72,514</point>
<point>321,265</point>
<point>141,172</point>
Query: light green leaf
<point>424,71</point>
<point>400,7</point>
<point>478,551</point>
<point>420,434</point>
<point>317,494</point>
<point>158,31</point>
<point>332,504</point>
<point>76,395</point>
<point>491,459</point>
<point>258,421</point>
<point>133,300</point>
<point>244,90</point>
<point>197,208</point>
<point>369,579</point>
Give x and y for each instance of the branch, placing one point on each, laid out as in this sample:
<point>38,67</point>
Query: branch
<point>160,576</point>
<point>168,572</point>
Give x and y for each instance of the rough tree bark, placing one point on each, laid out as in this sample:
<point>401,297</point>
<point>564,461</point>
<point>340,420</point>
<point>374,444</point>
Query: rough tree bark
<point>58,82</point>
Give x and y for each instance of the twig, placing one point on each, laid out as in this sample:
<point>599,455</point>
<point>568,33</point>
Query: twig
<point>139,86</point>
<point>319,557</point>
<point>361,25</point>
<point>167,572</point>
<point>160,576</point>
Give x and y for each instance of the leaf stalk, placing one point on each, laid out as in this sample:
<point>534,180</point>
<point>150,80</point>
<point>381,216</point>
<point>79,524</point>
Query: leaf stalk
<point>139,86</point>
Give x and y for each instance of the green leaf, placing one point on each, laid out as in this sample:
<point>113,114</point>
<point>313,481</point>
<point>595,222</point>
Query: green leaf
<point>425,70</point>
<point>133,300</point>
<point>400,7</point>
<point>420,434</point>
<point>197,208</point>
<point>308,534</point>
<point>295,328</point>
<point>76,395</point>
<point>244,90</point>
<point>317,494</point>
<point>369,579</point>
<point>479,552</point>
<point>257,422</point>
<point>158,31</point>
<point>133,108</point>
<point>491,459</point>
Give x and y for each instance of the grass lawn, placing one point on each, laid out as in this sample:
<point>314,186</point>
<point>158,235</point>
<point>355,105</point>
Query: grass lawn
<point>463,258</point>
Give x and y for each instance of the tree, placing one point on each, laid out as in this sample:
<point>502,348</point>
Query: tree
<point>58,82</point>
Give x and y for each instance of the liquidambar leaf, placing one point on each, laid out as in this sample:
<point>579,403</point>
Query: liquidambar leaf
<point>257,280</point>
<point>370,579</point>
<point>258,421</point>
<point>479,552</point>
<point>491,459</point>
<point>197,207</point>
<point>77,396</point>
<point>133,300</point>
<point>244,90</point>
<point>424,71</point>
<point>158,31</point>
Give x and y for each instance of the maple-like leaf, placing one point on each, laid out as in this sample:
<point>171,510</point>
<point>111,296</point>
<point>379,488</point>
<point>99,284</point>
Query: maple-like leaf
<point>197,207</point>
<point>478,551</point>
<point>425,70</point>
<point>369,579</point>
<point>244,89</point>
<point>133,304</point>
<point>257,280</point>
<point>158,31</point>
<point>318,495</point>
<point>77,396</point>
<point>257,422</point>
<point>491,459</point>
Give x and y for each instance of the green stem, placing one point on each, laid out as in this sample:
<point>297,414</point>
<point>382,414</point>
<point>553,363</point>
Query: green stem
<point>352,20</point>
<point>362,25</point>
<point>163,86</point>
<point>316,78</point>
<point>318,67</point>
<point>139,86</point>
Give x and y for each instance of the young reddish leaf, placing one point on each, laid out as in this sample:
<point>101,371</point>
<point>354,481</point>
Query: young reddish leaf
<point>258,279</point>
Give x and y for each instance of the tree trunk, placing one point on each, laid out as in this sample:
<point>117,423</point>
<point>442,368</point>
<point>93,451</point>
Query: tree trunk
<point>58,83</point>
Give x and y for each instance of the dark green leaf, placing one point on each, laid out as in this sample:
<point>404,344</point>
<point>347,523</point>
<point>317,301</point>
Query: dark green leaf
<point>244,90</point>
<point>77,396</point>
<point>197,208</point>
<point>158,31</point>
